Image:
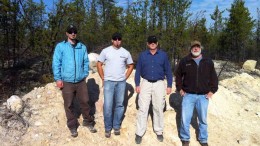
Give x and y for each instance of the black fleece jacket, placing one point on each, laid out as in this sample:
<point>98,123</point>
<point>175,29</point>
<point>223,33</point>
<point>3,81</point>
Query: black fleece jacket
<point>196,79</point>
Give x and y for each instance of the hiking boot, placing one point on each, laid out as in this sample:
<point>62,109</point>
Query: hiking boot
<point>92,129</point>
<point>185,143</point>
<point>138,139</point>
<point>204,144</point>
<point>90,126</point>
<point>86,123</point>
<point>107,134</point>
<point>160,138</point>
<point>74,132</point>
<point>117,131</point>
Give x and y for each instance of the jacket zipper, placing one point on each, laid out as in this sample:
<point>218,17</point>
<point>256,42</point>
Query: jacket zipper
<point>197,78</point>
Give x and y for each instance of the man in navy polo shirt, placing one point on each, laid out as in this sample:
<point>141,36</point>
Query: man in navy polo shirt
<point>153,66</point>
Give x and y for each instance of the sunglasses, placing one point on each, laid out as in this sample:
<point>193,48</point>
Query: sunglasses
<point>116,38</point>
<point>152,42</point>
<point>70,32</point>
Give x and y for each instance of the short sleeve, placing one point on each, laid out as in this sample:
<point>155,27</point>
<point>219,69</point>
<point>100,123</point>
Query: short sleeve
<point>129,59</point>
<point>102,56</point>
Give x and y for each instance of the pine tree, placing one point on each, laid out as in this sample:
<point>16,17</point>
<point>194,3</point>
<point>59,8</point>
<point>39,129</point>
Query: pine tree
<point>238,31</point>
<point>258,34</point>
<point>215,32</point>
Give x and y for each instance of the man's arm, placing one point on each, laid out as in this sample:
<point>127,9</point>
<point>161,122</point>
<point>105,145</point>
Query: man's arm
<point>138,74</point>
<point>178,76</point>
<point>213,81</point>
<point>86,63</point>
<point>168,73</point>
<point>100,70</point>
<point>56,66</point>
<point>130,68</point>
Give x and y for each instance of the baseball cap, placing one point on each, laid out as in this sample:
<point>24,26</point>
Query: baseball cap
<point>72,28</point>
<point>195,42</point>
<point>117,35</point>
<point>152,39</point>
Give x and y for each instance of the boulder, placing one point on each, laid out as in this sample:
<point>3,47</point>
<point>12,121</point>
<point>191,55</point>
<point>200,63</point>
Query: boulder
<point>93,57</point>
<point>249,65</point>
<point>15,104</point>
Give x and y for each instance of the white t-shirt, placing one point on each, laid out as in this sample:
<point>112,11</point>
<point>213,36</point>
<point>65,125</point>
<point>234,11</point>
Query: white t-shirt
<point>115,61</point>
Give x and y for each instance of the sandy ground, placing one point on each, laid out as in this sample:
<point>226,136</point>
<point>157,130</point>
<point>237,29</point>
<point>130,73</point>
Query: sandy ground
<point>233,117</point>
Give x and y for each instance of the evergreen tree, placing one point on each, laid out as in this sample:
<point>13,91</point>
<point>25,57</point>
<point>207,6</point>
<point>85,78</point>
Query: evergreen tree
<point>215,32</point>
<point>238,31</point>
<point>258,35</point>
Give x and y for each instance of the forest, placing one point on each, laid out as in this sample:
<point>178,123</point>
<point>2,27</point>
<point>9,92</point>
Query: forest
<point>29,32</point>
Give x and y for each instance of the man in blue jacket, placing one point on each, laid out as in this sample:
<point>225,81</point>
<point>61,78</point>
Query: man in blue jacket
<point>70,68</point>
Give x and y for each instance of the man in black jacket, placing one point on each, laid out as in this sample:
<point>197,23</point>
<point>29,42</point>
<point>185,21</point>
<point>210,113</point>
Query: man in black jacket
<point>196,81</point>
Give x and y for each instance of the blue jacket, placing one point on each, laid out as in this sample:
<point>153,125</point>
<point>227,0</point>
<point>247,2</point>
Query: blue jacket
<point>70,64</point>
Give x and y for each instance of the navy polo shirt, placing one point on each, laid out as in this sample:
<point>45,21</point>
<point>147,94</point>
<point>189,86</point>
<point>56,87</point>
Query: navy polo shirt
<point>153,67</point>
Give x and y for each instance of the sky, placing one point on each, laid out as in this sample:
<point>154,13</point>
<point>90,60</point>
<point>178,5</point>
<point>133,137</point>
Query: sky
<point>209,6</point>
<point>198,5</point>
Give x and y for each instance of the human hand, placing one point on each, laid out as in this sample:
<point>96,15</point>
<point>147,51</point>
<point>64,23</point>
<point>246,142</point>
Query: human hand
<point>182,93</point>
<point>137,89</point>
<point>209,95</point>
<point>168,90</point>
<point>59,84</point>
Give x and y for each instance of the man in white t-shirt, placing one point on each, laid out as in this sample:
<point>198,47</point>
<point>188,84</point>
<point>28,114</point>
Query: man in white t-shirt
<point>117,60</point>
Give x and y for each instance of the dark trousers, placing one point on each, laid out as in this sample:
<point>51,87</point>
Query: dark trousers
<point>80,91</point>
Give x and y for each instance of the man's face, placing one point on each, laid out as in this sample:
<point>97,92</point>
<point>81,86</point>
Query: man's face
<point>196,50</point>
<point>117,42</point>
<point>71,35</point>
<point>152,45</point>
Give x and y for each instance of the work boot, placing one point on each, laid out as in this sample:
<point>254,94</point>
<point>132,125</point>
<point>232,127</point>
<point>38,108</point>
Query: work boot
<point>138,139</point>
<point>107,134</point>
<point>185,143</point>
<point>90,126</point>
<point>117,131</point>
<point>160,138</point>
<point>204,144</point>
<point>74,132</point>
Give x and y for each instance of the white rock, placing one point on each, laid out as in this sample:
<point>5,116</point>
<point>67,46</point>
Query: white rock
<point>93,57</point>
<point>36,135</point>
<point>249,65</point>
<point>38,123</point>
<point>38,96</point>
<point>258,114</point>
<point>15,104</point>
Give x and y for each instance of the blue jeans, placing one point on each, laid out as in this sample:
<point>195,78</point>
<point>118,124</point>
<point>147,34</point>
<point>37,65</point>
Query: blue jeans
<point>114,92</point>
<point>200,102</point>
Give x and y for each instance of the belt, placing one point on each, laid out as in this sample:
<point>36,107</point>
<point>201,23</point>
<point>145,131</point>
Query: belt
<point>198,93</point>
<point>152,81</point>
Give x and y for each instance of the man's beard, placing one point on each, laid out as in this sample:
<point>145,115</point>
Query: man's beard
<point>195,54</point>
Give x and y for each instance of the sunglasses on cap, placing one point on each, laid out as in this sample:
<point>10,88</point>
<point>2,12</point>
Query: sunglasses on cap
<point>72,31</point>
<point>117,38</point>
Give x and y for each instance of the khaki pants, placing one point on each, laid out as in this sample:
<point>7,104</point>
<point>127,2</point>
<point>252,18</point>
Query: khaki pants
<point>154,92</point>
